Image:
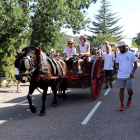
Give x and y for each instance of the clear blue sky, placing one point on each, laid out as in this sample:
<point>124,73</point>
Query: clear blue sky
<point>127,10</point>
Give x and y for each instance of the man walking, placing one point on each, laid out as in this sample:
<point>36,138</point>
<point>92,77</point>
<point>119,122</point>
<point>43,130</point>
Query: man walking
<point>16,71</point>
<point>124,64</point>
<point>104,47</point>
<point>109,60</point>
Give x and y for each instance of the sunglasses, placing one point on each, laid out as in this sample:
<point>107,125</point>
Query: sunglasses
<point>81,38</point>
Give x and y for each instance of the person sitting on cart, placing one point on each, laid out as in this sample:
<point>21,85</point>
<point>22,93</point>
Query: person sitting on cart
<point>109,60</point>
<point>52,52</point>
<point>104,47</point>
<point>70,51</point>
<point>83,51</point>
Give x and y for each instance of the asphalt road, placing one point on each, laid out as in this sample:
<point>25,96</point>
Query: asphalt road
<point>77,118</point>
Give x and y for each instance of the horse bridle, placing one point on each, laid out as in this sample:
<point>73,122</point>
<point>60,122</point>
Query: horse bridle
<point>29,65</point>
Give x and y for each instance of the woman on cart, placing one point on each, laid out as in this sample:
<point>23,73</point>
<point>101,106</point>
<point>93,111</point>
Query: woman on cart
<point>83,51</point>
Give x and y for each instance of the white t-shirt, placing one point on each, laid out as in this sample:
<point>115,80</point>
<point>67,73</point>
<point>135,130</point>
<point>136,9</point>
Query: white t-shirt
<point>108,61</point>
<point>69,51</point>
<point>83,49</point>
<point>125,61</point>
<point>16,71</point>
<point>104,48</point>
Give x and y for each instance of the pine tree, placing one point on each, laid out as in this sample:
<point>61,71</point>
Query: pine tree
<point>106,21</point>
<point>137,39</point>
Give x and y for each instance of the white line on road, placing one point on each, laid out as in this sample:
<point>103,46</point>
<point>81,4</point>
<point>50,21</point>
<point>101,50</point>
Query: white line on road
<point>24,101</point>
<point>107,91</point>
<point>91,113</point>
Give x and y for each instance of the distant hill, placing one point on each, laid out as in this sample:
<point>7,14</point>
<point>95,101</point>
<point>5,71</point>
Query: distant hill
<point>63,43</point>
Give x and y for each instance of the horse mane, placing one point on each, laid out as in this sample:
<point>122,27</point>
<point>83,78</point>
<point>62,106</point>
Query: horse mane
<point>30,48</point>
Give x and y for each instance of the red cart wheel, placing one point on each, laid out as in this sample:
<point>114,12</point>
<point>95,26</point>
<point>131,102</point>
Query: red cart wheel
<point>96,78</point>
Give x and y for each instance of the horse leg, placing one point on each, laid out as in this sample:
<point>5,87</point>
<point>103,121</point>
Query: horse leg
<point>42,112</point>
<point>29,97</point>
<point>53,87</point>
<point>64,87</point>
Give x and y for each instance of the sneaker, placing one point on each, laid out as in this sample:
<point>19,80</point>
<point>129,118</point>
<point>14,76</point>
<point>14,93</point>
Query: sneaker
<point>80,72</point>
<point>110,85</point>
<point>68,71</point>
<point>121,108</point>
<point>18,91</point>
<point>128,102</point>
<point>106,87</point>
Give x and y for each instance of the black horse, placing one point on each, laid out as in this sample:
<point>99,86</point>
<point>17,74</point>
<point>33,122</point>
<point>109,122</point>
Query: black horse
<point>41,71</point>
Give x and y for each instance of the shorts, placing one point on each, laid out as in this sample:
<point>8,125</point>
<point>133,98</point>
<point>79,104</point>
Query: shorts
<point>81,57</point>
<point>108,73</point>
<point>125,82</point>
<point>17,77</point>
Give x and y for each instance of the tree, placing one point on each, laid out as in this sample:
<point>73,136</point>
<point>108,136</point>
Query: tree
<point>137,39</point>
<point>101,40</point>
<point>14,21</point>
<point>106,21</point>
<point>50,15</point>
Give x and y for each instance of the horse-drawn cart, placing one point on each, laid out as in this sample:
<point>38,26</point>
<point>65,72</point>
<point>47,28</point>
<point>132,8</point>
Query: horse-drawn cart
<point>92,77</point>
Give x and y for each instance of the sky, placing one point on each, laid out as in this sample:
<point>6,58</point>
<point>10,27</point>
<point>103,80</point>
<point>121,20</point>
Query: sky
<point>127,10</point>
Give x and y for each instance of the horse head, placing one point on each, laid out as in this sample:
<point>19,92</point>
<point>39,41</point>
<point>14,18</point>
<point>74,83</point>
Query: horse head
<point>26,62</point>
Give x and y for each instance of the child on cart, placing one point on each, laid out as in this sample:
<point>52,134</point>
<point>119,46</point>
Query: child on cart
<point>109,60</point>
<point>70,51</point>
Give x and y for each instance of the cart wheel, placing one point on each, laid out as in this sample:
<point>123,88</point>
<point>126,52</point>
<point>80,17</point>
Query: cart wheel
<point>96,78</point>
<point>59,92</point>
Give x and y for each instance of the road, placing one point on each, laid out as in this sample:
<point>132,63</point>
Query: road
<point>77,118</point>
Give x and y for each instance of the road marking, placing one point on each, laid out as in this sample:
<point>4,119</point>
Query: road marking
<point>114,81</point>
<point>109,88</point>
<point>91,113</point>
<point>24,101</point>
<point>107,91</point>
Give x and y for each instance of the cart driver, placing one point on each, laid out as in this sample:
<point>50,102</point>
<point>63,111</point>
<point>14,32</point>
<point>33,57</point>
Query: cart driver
<point>83,51</point>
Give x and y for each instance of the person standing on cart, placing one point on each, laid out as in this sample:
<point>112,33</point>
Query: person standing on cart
<point>104,47</point>
<point>83,51</point>
<point>109,60</point>
<point>70,51</point>
<point>126,71</point>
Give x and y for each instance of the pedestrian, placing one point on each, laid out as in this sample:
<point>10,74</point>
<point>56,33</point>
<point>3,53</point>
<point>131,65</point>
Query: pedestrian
<point>106,45</point>
<point>83,51</point>
<point>16,71</point>
<point>70,51</point>
<point>109,60</point>
<point>124,63</point>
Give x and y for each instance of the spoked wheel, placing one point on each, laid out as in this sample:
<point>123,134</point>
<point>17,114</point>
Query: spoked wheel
<point>96,78</point>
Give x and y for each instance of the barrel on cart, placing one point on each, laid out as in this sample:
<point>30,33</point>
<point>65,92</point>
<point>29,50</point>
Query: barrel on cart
<point>92,76</point>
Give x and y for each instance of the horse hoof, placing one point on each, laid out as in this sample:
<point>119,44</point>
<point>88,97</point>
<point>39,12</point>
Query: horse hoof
<point>54,105</point>
<point>33,109</point>
<point>42,113</point>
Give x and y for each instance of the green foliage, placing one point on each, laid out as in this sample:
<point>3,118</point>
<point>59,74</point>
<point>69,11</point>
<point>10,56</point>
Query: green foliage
<point>137,39</point>
<point>134,45</point>
<point>14,32</point>
<point>100,38</point>
<point>62,44</point>
<point>49,16</point>
<point>8,66</point>
<point>106,22</point>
